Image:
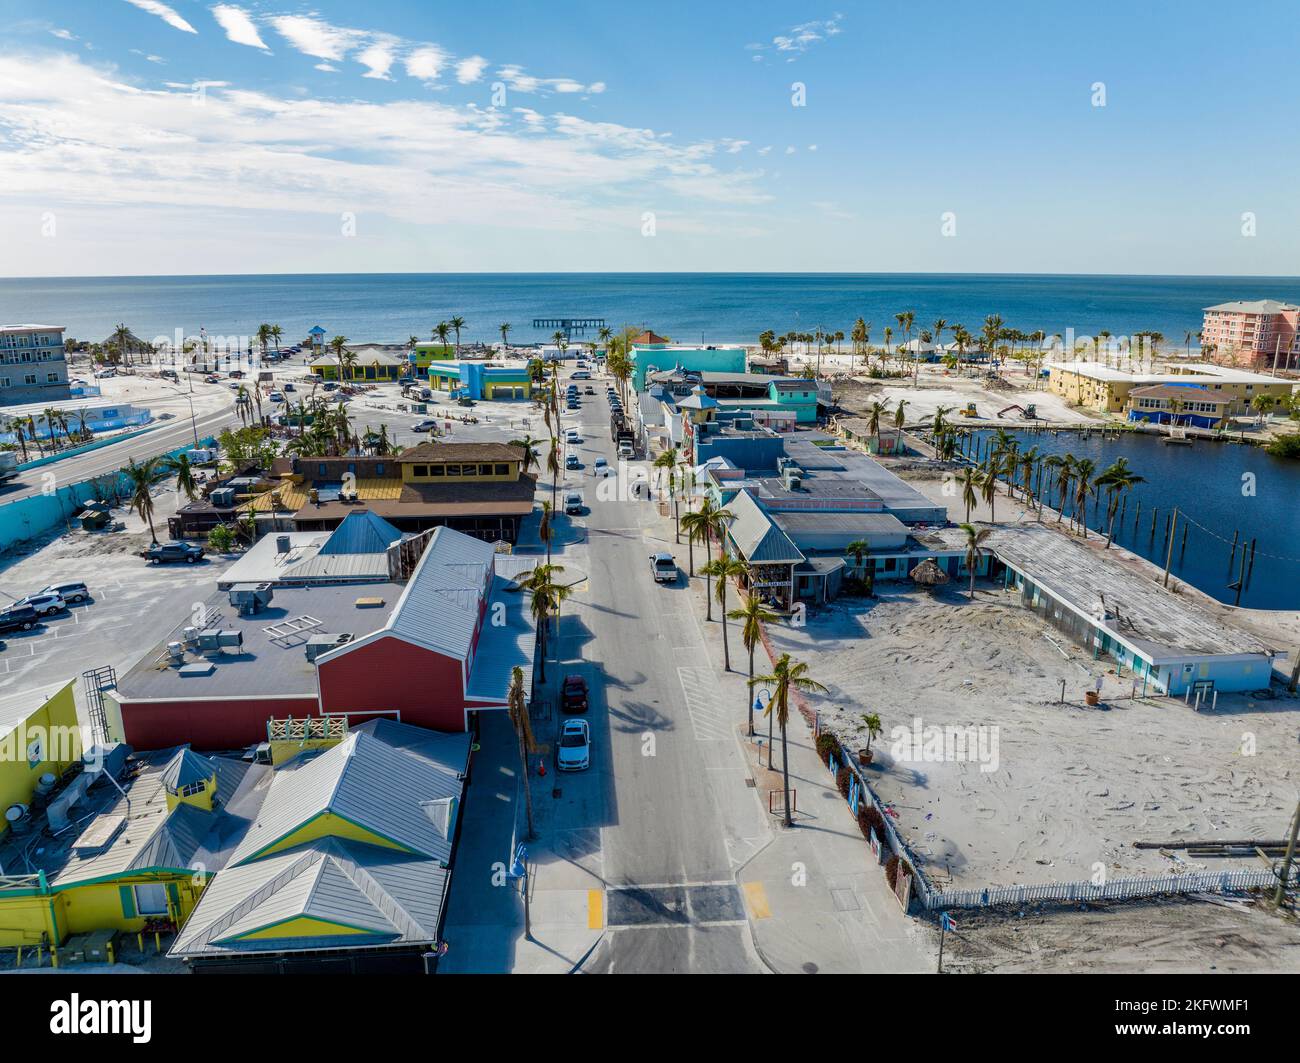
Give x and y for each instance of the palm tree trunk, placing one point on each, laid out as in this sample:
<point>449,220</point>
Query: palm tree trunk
<point>528,789</point>
<point>785,774</point>
<point>726,646</point>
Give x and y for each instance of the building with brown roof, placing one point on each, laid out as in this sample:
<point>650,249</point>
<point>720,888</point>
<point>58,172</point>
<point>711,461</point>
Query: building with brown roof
<point>476,488</point>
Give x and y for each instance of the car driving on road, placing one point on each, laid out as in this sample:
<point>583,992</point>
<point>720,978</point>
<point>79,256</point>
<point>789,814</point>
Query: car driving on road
<point>573,504</point>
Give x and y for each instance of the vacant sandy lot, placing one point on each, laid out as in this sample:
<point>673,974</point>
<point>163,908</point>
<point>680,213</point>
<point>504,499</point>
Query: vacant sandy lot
<point>1070,786</point>
<point>1175,935</point>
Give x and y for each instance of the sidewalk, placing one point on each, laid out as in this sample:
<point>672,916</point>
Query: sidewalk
<point>816,899</point>
<point>485,919</point>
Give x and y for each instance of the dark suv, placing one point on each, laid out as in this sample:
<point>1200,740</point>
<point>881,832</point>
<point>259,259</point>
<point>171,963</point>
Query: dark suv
<point>573,695</point>
<point>159,553</point>
<point>18,618</point>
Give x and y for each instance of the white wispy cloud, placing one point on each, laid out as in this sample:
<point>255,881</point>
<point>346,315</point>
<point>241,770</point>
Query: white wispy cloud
<point>66,126</point>
<point>518,80</point>
<point>238,25</point>
<point>471,69</point>
<point>64,35</point>
<point>378,58</point>
<point>316,37</point>
<point>426,63</point>
<point>167,14</point>
<point>798,39</point>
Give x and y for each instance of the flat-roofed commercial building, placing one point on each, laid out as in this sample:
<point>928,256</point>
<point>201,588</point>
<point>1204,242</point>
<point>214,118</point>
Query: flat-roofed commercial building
<point>1106,389</point>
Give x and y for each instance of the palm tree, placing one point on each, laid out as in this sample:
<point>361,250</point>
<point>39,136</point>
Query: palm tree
<point>872,722</point>
<point>524,733</point>
<point>180,465</point>
<point>140,478</point>
<point>989,486</point>
<point>529,446</point>
<point>1063,465</point>
<point>753,614</point>
<point>786,675</point>
<point>1083,487</point>
<point>1117,479</point>
<point>669,460</point>
<point>975,538</point>
<point>723,569</point>
<point>1028,462</point>
<point>442,330</point>
<point>970,482</point>
<point>504,329</point>
<point>19,428</point>
<point>337,345</point>
<point>877,411</point>
<point>457,323</point>
<point>545,531</point>
<point>858,550</point>
<point>546,596</point>
<point>276,333</point>
<point>704,524</point>
<point>900,418</point>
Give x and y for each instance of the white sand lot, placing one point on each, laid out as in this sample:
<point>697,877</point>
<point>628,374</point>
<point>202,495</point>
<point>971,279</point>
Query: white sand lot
<point>1074,786</point>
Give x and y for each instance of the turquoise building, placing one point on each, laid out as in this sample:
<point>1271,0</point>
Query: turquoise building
<point>482,380</point>
<point>669,356</point>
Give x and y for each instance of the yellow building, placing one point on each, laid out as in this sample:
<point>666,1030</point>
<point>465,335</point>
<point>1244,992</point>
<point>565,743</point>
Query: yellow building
<point>134,859</point>
<point>39,736</point>
<point>440,463</point>
<point>361,365</point>
<point>1103,388</point>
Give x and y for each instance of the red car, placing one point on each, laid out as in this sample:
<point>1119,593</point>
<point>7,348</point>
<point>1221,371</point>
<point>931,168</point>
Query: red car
<point>573,695</point>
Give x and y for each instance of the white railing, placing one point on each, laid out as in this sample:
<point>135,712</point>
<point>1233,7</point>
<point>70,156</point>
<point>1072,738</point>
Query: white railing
<point>1115,890</point>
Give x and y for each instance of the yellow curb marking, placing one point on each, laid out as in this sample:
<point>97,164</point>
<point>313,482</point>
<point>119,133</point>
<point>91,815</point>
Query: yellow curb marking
<point>595,909</point>
<point>757,898</point>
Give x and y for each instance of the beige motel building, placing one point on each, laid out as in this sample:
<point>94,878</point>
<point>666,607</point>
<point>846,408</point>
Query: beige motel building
<point>1106,389</point>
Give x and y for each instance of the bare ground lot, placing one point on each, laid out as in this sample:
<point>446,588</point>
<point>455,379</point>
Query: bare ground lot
<point>1176,935</point>
<point>1073,786</point>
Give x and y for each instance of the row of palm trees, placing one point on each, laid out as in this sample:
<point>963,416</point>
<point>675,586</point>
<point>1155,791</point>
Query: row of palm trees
<point>1071,480</point>
<point>73,426</point>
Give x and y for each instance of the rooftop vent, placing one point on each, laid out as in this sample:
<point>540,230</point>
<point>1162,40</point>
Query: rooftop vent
<point>250,598</point>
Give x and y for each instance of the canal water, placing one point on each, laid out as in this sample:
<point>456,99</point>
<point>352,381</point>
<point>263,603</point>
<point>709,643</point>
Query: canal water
<point>1221,490</point>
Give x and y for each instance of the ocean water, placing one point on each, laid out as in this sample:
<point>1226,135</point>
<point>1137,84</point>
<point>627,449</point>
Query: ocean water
<point>715,308</point>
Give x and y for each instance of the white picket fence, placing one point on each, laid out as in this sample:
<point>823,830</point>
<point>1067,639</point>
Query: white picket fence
<point>1116,890</point>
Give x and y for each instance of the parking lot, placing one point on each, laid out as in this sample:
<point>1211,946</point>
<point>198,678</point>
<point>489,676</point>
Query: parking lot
<point>132,604</point>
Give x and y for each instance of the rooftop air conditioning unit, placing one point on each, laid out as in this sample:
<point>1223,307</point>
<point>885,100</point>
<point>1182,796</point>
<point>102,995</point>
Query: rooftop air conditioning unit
<point>222,497</point>
<point>59,812</point>
<point>176,652</point>
<point>319,645</point>
<point>250,598</point>
<point>231,640</point>
<point>209,641</point>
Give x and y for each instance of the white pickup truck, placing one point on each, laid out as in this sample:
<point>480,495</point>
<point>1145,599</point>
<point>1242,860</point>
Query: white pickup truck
<point>663,567</point>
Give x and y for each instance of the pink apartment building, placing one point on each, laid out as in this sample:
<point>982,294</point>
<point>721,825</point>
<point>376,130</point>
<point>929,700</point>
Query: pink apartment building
<point>1262,333</point>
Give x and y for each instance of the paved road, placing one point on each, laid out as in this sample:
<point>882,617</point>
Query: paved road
<point>675,805</point>
<point>169,436</point>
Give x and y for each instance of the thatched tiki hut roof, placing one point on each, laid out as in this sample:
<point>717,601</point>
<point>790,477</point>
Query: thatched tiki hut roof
<point>929,574</point>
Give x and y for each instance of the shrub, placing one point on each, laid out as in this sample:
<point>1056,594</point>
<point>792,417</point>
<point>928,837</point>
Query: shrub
<point>826,745</point>
<point>894,867</point>
<point>221,540</point>
<point>1287,446</point>
<point>869,819</point>
<point>843,780</point>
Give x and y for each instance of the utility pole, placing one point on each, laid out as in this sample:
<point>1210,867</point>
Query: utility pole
<point>1290,856</point>
<point>1169,554</point>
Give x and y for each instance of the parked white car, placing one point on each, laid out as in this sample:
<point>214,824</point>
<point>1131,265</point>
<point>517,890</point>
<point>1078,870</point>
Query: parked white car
<point>574,750</point>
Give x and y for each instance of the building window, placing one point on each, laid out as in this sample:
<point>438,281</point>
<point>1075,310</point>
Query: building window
<point>151,898</point>
<point>379,469</point>
<point>421,471</point>
<point>190,789</point>
<point>454,470</point>
<point>485,470</point>
<point>437,470</point>
<point>502,470</point>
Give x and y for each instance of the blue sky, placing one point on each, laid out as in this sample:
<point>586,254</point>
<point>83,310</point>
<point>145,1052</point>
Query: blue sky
<point>556,136</point>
